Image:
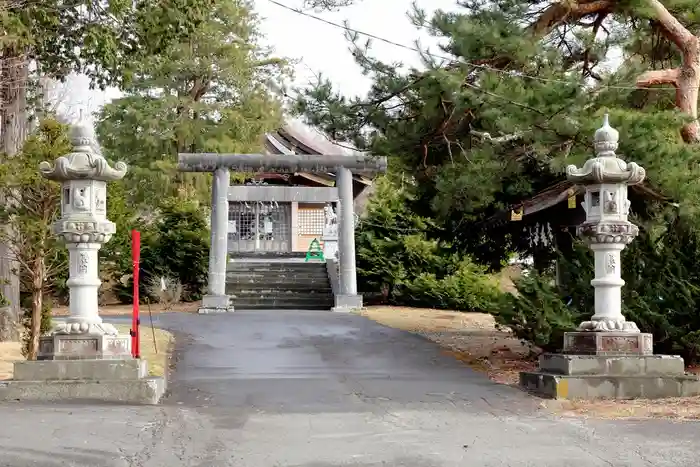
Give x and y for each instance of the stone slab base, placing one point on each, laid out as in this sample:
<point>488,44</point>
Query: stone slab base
<point>609,387</point>
<point>591,365</point>
<point>215,304</point>
<point>347,303</point>
<point>208,310</point>
<point>67,370</point>
<point>146,391</point>
<point>84,346</point>
<point>608,343</point>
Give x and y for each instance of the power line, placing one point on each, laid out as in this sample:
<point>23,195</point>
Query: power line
<point>452,59</point>
<point>342,26</point>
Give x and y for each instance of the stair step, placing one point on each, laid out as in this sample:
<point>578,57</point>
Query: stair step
<point>299,290</point>
<point>242,275</point>
<point>269,285</point>
<point>282,304</point>
<point>264,306</point>
<point>277,271</point>
<point>260,277</point>
<point>276,280</point>
<point>279,295</point>
<point>276,266</point>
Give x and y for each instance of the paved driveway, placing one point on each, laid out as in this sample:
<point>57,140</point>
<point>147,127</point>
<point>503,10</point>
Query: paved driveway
<point>315,389</point>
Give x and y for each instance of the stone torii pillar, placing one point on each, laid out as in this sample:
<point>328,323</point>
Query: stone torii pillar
<point>348,297</point>
<point>342,165</point>
<point>216,300</point>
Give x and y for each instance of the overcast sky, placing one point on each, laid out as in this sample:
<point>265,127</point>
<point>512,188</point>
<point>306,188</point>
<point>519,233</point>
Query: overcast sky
<point>320,47</point>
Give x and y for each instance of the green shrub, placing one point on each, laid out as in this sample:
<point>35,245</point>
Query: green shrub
<point>176,246</point>
<point>468,288</point>
<point>662,293</point>
<point>537,314</point>
<point>400,262</point>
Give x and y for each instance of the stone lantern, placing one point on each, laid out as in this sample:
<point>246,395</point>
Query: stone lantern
<point>84,228</point>
<point>608,357</point>
<point>606,228</point>
<point>83,358</point>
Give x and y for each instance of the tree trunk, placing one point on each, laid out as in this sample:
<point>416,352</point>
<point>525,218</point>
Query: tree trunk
<point>568,12</point>
<point>13,86</point>
<point>14,73</point>
<point>687,90</point>
<point>39,274</point>
<point>685,78</point>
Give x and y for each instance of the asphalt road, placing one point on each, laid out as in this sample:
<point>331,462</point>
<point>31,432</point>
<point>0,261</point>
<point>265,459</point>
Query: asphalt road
<point>316,389</point>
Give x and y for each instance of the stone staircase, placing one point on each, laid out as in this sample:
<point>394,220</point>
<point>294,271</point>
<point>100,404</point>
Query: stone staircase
<point>265,285</point>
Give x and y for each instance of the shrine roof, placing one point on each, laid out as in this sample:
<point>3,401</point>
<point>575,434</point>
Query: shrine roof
<point>556,194</point>
<point>294,137</point>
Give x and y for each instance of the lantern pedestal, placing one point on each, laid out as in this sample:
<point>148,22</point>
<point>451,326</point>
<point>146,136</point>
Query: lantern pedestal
<point>124,381</point>
<point>609,365</point>
<point>563,376</point>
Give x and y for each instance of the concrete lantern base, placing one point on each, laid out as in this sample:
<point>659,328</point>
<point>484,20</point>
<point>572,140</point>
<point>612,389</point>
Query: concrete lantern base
<point>347,303</point>
<point>215,304</point>
<point>84,347</point>
<point>123,381</point>
<point>608,343</point>
<point>610,366</point>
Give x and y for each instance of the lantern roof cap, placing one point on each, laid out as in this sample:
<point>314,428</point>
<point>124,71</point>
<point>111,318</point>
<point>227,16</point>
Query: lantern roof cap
<point>84,162</point>
<point>606,167</point>
<point>606,133</point>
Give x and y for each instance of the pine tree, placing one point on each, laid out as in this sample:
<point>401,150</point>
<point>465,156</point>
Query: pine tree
<point>512,99</point>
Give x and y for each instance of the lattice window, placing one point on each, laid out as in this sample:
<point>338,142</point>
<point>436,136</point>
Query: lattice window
<point>262,226</point>
<point>310,221</point>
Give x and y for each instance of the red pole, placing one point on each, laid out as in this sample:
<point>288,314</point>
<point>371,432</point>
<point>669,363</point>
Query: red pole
<point>136,257</point>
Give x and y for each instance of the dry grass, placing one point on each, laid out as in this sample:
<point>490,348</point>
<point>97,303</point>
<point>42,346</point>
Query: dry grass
<point>107,310</point>
<point>10,352</point>
<point>676,408</point>
<point>157,362</point>
<point>429,320</point>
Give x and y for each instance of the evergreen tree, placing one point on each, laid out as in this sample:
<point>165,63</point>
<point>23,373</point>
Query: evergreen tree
<point>34,204</point>
<point>399,264</point>
<point>208,92</point>
<point>510,100</point>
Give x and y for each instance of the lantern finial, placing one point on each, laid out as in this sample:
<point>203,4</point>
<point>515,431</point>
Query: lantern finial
<point>81,136</point>
<point>605,139</point>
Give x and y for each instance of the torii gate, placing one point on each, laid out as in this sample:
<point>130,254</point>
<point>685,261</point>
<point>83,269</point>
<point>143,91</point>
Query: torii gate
<point>221,164</point>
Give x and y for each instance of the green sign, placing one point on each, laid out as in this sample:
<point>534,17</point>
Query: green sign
<point>315,251</point>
